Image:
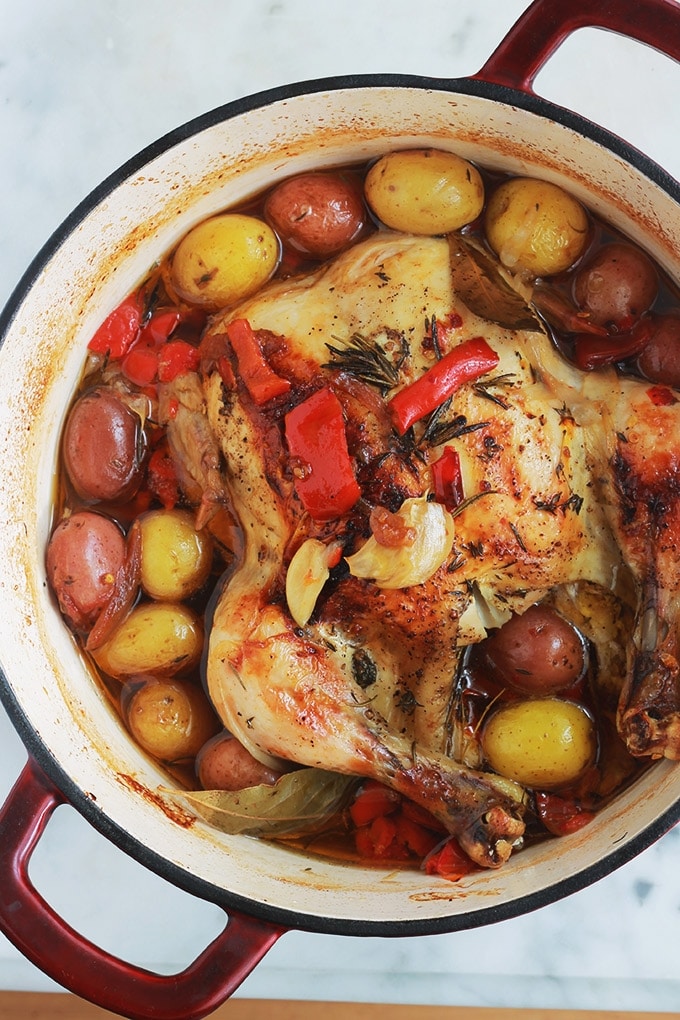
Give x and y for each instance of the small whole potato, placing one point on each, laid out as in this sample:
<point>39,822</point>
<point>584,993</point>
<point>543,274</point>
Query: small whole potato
<point>424,191</point>
<point>224,259</point>
<point>617,285</point>
<point>538,652</point>
<point>161,638</point>
<point>317,214</point>
<point>170,719</point>
<point>536,226</point>
<point>104,447</point>
<point>84,554</point>
<point>543,743</point>
<point>225,764</point>
<point>176,559</point>
<point>660,360</point>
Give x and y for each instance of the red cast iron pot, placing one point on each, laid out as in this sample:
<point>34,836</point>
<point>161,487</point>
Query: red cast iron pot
<point>78,752</point>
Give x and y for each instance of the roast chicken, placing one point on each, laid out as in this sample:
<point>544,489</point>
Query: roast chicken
<point>569,479</point>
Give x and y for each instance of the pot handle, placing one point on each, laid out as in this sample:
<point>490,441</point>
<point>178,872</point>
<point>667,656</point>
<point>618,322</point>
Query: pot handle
<point>547,23</point>
<point>85,969</point>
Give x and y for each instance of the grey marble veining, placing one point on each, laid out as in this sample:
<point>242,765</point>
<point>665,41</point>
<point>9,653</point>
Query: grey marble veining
<point>83,87</point>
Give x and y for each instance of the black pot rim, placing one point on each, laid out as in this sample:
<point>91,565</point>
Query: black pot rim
<point>74,795</point>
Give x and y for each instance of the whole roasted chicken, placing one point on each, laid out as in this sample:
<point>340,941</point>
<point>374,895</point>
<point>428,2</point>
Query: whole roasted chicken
<point>339,629</point>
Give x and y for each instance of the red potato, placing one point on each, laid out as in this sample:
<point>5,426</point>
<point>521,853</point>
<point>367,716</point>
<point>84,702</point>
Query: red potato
<point>317,214</point>
<point>660,360</point>
<point>225,764</point>
<point>84,555</point>
<point>538,652</point>
<point>104,446</point>
<point>616,286</point>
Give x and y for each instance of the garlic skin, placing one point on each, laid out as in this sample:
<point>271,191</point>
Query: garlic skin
<point>415,561</point>
<point>306,575</point>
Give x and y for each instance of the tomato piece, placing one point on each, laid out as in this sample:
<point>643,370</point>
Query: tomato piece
<point>465,363</point>
<point>561,815</point>
<point>317,441</point>
<point>261,381</point>
<point>119,330</point>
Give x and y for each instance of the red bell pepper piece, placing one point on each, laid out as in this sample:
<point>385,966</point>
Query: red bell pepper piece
<point>175,358</point>
<point>373,800</point>
<point>160,327</point>
<point>463,364</point>
<point>140,365</point>
<point>561,815</point>
<point>324,477</point>
<point>162,477</point>
<point>260,379</point>
<point>447,480</point>
<point>120,329</point>
<point>419,840</point>
<point>450,862</point>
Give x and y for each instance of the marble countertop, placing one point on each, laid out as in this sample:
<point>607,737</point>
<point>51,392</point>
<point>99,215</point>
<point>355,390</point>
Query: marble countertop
<point>83,87</point>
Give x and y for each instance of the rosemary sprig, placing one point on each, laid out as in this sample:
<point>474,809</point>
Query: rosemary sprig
<point>367,361</point>
<point>438,432</point>
<point>483,389</point>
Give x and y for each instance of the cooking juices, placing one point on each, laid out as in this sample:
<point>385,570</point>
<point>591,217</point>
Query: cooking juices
<point>144,538</point>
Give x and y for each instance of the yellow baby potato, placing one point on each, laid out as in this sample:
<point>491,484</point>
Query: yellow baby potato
<point>171,719</point>
<point>224,259</point>
<point>424,191</point>
<point>176,559</point>
<point>536,226</point>
<point>161,638</point>
<point>542,743</point>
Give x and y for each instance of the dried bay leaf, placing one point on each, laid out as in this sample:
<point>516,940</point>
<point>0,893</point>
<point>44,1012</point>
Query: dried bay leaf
<point>298,802</point>
<point>478,280</point>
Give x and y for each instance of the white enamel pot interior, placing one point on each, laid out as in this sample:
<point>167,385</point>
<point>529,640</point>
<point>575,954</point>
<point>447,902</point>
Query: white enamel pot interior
<point>100,253</point>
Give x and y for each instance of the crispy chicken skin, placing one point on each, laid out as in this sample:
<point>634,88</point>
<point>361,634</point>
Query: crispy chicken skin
<point>565,492</point>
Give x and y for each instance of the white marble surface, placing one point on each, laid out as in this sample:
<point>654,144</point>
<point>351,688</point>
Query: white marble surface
<point>84,86</point>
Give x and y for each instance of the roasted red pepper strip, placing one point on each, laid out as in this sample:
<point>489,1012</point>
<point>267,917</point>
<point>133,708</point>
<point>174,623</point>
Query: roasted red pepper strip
<point>447,480</point>
<point>260,379</point>
<point>324,477</point>
<point>463,364</point>
<point>592,352</point>
<point>120,329</point>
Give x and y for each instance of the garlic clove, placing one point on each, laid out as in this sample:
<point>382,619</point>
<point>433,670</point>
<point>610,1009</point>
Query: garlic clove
<point>307,573</point>
<point>415,561</point>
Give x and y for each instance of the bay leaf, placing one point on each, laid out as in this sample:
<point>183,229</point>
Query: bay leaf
<point>478,280</point>
<point>297,803</point>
